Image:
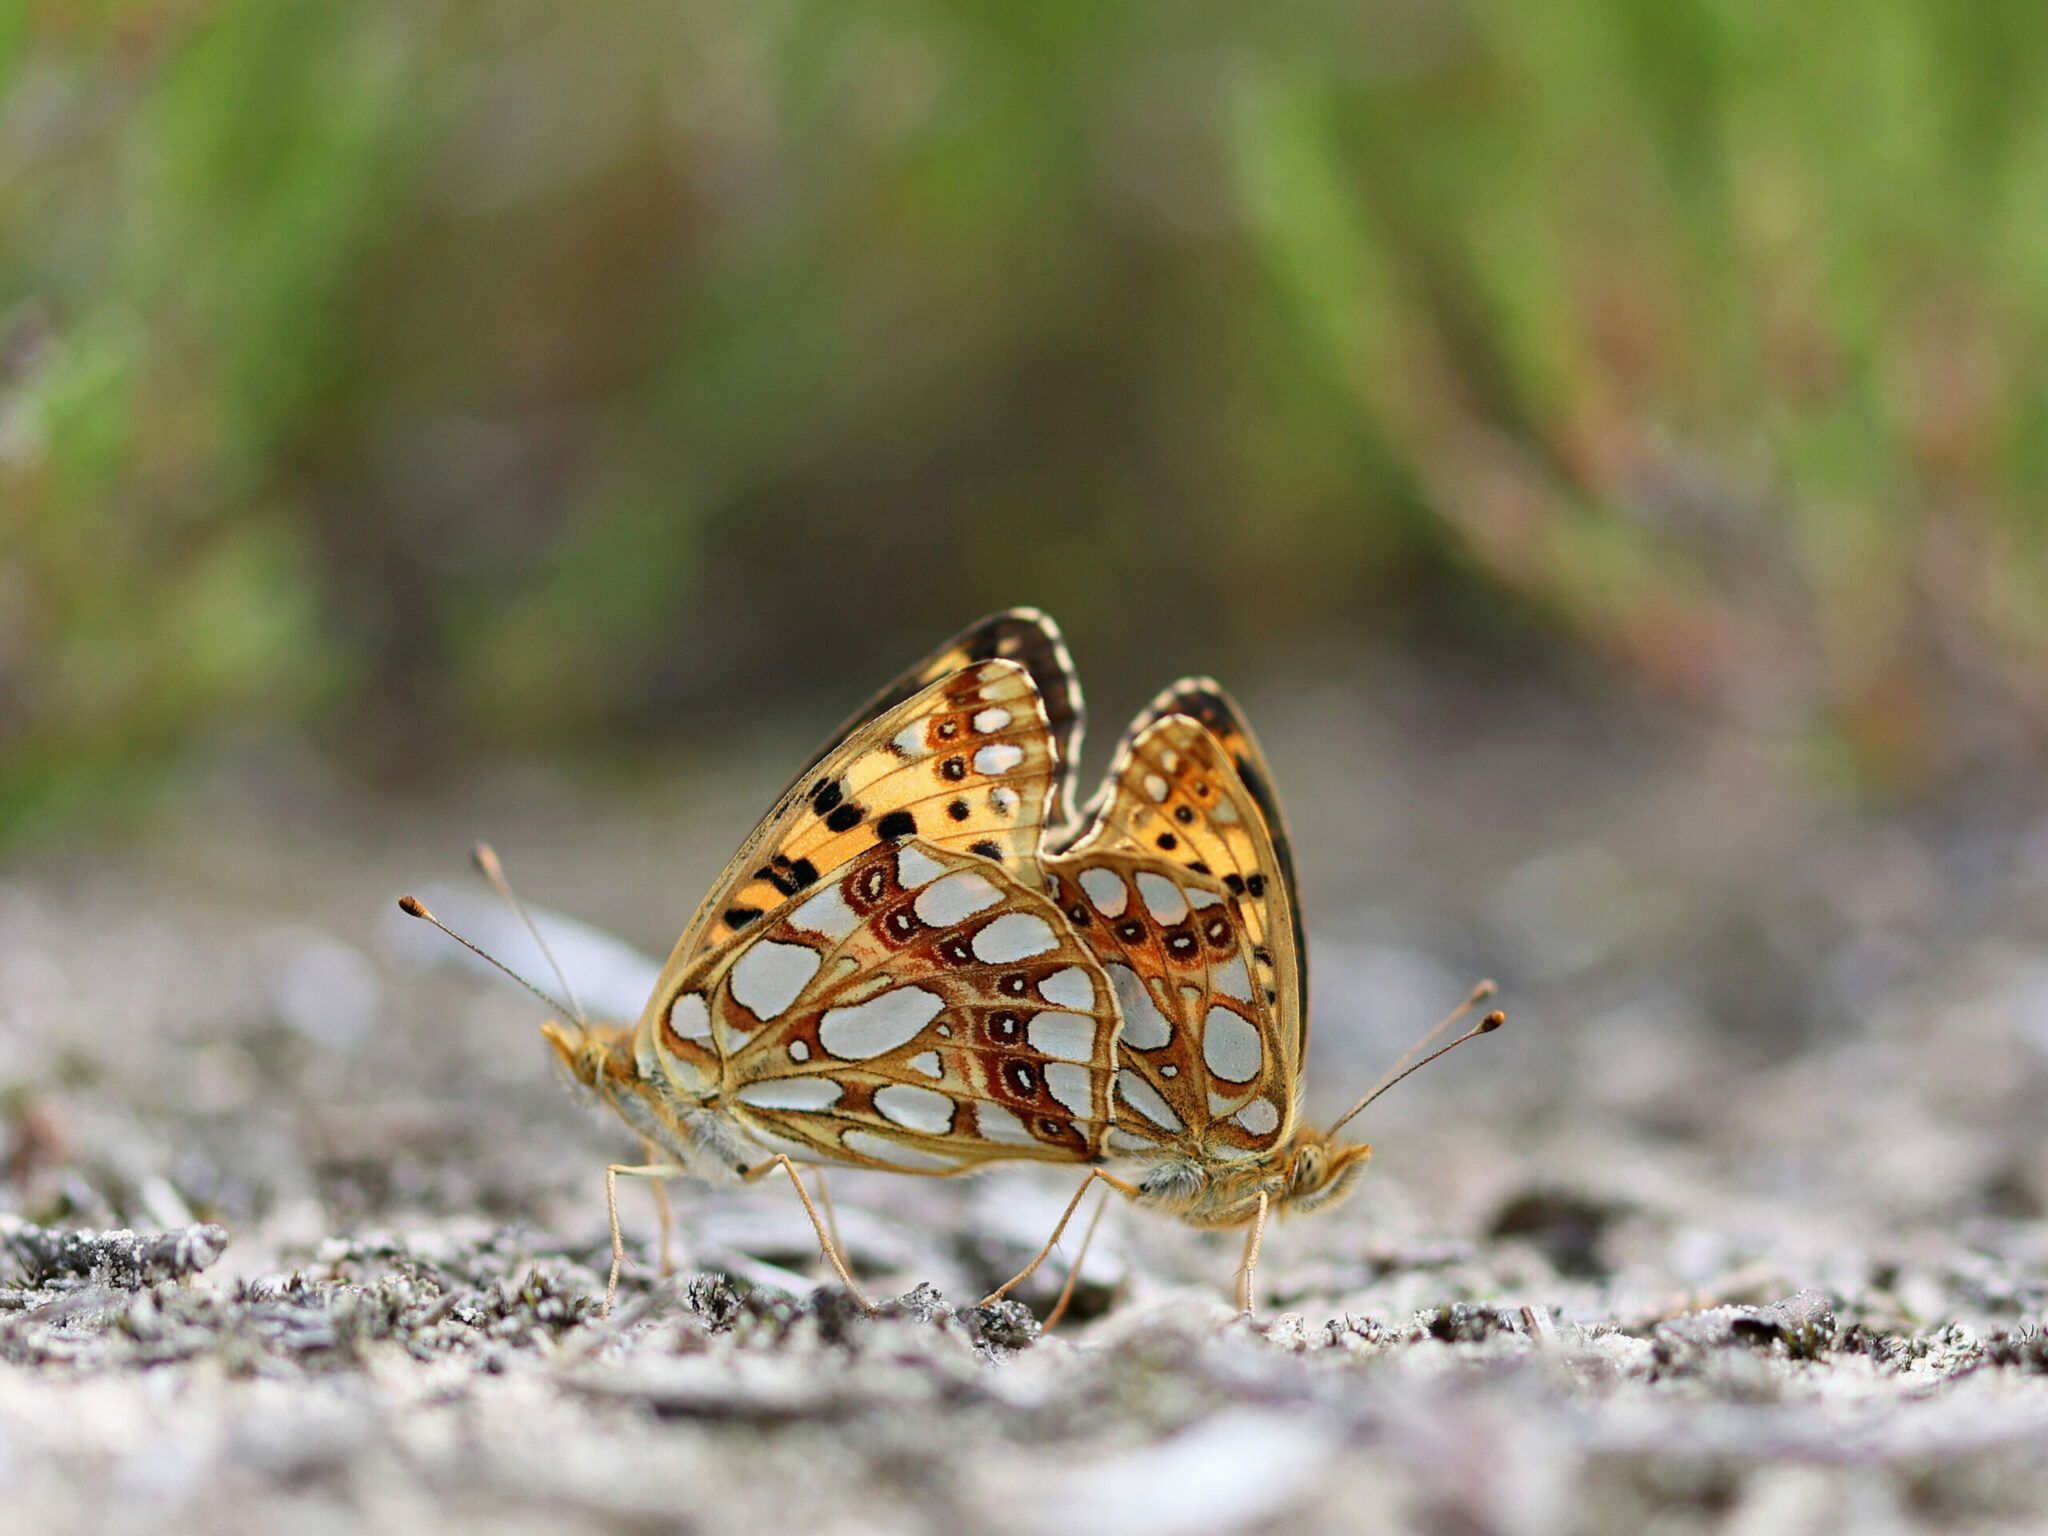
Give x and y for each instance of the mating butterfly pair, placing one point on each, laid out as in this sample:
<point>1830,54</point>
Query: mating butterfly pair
<point>923,960</point>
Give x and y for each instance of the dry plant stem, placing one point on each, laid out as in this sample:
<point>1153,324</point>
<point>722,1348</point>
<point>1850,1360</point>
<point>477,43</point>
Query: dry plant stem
<point>825,1243</point>
<point>1248,1272</point>
<point>1059,1308</point>
<point>611,1210</point>
<point>1051,1242</point>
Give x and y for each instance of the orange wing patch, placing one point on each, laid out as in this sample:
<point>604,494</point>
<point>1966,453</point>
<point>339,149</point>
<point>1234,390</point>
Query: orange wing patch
<point>966,763</point>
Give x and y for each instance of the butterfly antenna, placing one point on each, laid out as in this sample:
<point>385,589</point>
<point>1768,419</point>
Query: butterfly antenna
<point>1408,1064</point>
<point>486,859</point>
<point>412,906</point>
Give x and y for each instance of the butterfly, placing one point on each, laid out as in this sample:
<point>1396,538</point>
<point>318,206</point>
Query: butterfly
<point>879,978</point>
<point>1181,884</point>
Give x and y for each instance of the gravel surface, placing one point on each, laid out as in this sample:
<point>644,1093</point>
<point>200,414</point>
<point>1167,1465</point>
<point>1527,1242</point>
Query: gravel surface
<point>1737,1227</point>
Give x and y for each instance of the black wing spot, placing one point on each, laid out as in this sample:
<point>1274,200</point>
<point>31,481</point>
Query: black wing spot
<point>739,917</point>
<point>825,794</point>
<point>1183,814</point>
<point>1168,841</point>
<point>1234,882</point>
<point>1256,884</point>
<point>845,818</point>
<point>1200,867</point>
<point>957,810</point>
<point>1131,932</point>
<point>896,824</point>
<point>954,768</point>
<point>988,848</point>
<point>1078,915</point>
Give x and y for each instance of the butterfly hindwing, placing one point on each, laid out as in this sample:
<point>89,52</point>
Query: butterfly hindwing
<point>1198,1062</point>
<point>1177,832</point>
<point>922,1011</point>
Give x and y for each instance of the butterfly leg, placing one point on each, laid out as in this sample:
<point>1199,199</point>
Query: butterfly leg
<point>611,1210</point>
<point>1247,1273</point>
<point>825,1243</point>
<point>663,1211</point>
<point>1059,1308</point>
<point>1066,1216</point>
<point>831,1216</point>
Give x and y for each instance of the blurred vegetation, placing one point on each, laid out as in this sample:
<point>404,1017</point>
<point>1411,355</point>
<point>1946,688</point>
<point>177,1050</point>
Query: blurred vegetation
<point>431,372</point>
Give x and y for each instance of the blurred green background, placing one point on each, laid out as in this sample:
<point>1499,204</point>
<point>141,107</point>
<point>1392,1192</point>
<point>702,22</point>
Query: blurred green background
<point>431,378</point>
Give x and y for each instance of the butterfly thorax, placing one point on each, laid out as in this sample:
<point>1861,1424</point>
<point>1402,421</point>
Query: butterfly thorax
<point>1309,1173</point>
<point>601,1058</point>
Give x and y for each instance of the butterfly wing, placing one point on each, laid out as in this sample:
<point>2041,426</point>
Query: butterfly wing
<point>1023,635</point>
<point>967,762</point>
<point>1204,701</point>
<point>923,1011</point>
<point>1178,888</point>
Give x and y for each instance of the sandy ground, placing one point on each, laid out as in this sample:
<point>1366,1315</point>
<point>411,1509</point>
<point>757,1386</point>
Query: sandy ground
<point>1739,1225</point>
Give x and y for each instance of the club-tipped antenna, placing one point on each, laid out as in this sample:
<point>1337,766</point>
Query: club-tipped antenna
<point>485,858</point>
<point>412,906</point>
<point>1408,1064</point>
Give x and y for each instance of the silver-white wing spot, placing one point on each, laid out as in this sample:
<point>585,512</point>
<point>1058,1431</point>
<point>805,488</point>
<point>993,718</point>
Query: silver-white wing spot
<point>910,740</point>
<point>826,913</point>
<point>994,718</point>
<point>915,867</point>
<point>1232,981</point>
<point>1014,936</point>
<point>916,1109</point>
<point>1069,1084</point>
<point>884,1150</point>
<point>1199,898</point>
<point>1121,1140</point>
<point>791,1093</point>
<point>799,1050</point>
<point>1231,1047</point>
<point>1070,988</point>
<point>879,1024</point>
<point>1145,1027</point>
<point>1260,1117</point>
<point>1162,898</point>
<point>768,977</point>
<point>1069,1036</point>
<point>998,757</point>
<point>928,1063</point>
<point>692,1017</point>
<point>997,1124</point>
<point>1005,800</point>
<point>1106,890</point>
<point>1145,1099</point>
<point>955,899</point>
<point>1156,787</point>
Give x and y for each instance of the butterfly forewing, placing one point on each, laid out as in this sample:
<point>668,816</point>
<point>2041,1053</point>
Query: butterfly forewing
<point>1023,635</point>
<point>966,763</point>
<point>922,1011</point>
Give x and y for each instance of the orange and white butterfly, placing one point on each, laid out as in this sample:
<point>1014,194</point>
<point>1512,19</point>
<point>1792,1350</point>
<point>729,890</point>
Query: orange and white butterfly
<point>879,979</point>
<point>1182,885</point>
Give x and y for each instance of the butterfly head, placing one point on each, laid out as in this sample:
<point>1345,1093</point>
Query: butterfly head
<point>1321,1171</point>
<point>597,1056</point>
